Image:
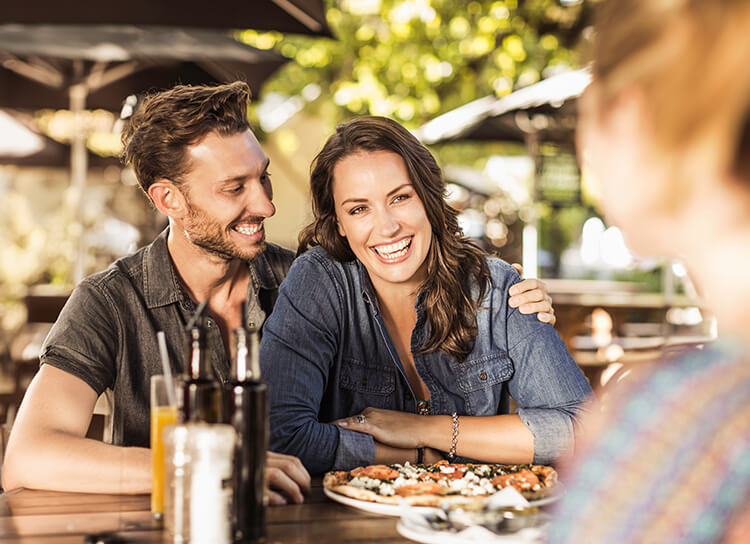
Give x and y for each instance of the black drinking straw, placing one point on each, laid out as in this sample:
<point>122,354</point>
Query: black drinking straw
<point>197,315</point>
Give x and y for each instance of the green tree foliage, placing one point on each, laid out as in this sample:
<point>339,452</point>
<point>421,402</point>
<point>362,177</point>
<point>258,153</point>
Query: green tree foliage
<point>414,59</point>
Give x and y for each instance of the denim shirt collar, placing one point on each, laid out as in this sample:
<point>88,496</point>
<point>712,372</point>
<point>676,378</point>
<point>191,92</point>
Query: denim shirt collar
<point>162,287</point>
<point>371,297</point>
<point>160,284</point>
<point>368,290</point>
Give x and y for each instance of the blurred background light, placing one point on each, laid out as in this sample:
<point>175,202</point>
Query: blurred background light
<point>591,238</point>
<point>614,251</point>
<point>472,222</point>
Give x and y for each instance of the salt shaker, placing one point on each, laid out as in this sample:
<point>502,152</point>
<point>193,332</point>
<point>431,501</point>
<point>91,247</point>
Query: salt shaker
<point>199,457</point>
<point>176,484</point>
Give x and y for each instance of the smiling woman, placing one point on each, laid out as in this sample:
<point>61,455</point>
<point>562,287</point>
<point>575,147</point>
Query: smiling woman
<point>392,315</point>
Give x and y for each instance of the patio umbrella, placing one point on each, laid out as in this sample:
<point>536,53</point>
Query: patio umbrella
<point>75,67</point>
<point>41,65</point>
<point>293,16</point>
<point>544,110</point>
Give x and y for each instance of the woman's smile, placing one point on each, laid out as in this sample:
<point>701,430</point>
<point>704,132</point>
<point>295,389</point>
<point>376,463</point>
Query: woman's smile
<point>395,252</point>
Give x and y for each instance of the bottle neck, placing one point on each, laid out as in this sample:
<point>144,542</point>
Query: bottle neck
<point>254,355</point>
<point>246,355</point>
<point>199,364</point>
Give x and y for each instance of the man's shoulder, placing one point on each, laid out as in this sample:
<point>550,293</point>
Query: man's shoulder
<point>127,273</point>
<point>125,268</point>
<point>119,270</point>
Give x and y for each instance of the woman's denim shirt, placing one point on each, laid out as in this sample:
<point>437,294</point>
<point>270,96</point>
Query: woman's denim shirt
<point>326,354</point>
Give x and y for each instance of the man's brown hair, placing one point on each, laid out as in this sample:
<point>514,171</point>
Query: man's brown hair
<point>166,123</point>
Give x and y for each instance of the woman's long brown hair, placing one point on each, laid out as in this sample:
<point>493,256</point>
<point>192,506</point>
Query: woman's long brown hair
<point>455,264</point>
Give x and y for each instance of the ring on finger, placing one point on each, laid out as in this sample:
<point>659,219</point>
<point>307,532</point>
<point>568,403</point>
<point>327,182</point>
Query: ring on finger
<point>361,418</point>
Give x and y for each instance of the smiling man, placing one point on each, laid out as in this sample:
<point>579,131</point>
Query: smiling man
<point>198,161</point>
<point>200,164</point>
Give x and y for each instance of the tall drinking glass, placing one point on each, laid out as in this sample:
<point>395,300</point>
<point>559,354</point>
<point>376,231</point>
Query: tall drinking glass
<point>163,413</point>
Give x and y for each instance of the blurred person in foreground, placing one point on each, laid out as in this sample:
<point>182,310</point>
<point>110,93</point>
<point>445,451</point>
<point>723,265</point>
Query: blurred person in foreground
<point>665,128</point>
<point>199,162</point>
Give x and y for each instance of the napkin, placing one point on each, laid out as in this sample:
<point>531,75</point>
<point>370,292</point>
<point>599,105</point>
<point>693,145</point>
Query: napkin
<point>507,497</point>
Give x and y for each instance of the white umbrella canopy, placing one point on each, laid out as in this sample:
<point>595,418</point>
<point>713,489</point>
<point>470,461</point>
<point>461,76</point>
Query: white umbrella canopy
<point>546,109</point>
<point>18,141</point>
<point>23,144</point>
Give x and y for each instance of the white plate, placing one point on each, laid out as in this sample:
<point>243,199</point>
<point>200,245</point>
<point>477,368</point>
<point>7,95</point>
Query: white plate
<point>395,509</point>
<point>367,506</point>
<point>475,535</point>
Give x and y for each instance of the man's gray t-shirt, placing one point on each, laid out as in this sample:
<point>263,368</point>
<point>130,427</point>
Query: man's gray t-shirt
<point>106,333</point>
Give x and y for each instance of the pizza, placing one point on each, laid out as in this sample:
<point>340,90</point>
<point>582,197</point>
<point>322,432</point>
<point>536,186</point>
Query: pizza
<point>432,485</point>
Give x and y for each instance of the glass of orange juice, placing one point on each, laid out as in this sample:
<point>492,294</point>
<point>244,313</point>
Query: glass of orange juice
<point>163,413</point>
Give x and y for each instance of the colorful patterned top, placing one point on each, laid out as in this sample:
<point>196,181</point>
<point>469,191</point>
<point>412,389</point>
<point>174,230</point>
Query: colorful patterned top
<point>668,459</point>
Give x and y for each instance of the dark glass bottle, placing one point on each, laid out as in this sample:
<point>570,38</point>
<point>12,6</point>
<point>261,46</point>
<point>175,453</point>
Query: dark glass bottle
<point>198,392</point>
<point>246,409</point>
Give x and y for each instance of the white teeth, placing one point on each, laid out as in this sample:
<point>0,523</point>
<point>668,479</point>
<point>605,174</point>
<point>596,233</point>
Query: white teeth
<point>249,230</point>
<point>394,251</point>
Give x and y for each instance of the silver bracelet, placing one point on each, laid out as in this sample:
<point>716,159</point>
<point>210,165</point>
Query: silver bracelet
<point>454,436</point>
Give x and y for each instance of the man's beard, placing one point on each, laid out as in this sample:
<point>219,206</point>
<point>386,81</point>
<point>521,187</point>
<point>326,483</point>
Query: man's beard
<point>208,234</point>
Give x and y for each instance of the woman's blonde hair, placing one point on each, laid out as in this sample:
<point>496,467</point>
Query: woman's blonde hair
<point>690,59</point>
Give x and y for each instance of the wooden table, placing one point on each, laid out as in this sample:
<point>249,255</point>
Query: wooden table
<point>28,516</point>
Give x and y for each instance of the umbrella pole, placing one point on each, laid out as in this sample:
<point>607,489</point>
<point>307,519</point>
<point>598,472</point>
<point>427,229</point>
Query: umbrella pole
<point>530,243</point>
<point>78,169</point>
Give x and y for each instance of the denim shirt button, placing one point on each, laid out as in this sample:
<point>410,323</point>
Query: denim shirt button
<point>364,381</point>
<point>408,396</point>
<point>483,376</point>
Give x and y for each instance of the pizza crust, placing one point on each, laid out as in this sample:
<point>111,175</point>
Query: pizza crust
<point>365,494</point>
<point>334,478</point>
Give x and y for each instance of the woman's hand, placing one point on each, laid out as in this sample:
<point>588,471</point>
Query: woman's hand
<point>397,429</point>
<point>532,296</point>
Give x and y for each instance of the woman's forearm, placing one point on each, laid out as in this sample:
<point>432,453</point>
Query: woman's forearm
<point>494,439</point>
